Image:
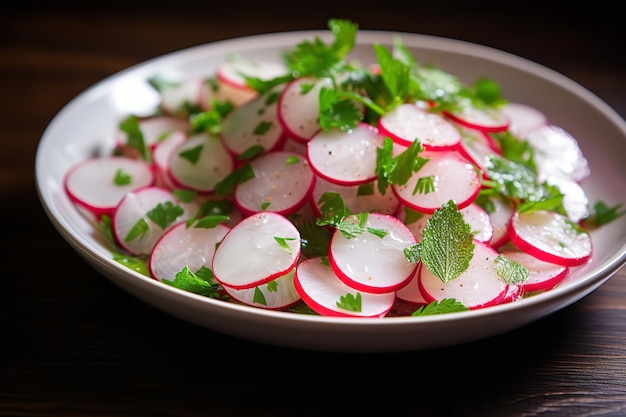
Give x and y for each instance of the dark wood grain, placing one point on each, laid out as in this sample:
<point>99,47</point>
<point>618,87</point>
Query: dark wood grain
<point>74,344</point>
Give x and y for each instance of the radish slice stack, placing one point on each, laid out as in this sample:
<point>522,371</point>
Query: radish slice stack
<point>366,260</point>
<point>99,184</point>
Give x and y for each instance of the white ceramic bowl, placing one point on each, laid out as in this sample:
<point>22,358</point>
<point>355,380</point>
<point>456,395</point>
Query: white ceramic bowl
<point>85,126</point>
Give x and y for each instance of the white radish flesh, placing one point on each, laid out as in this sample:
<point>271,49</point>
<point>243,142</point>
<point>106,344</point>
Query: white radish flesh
<point>177,97</point>
<point>200,163</point>
<point>477,147</point>
<point>411,292</point>
<point>453,177</point>
<point>92,183</point>
<point>477,287</point>
<point>523,119</point>
<point>500,212</point>
<point>321,290</point>
<point>282,184</point>
<point>254,123</point>
<point>161,155</point>
<point>480,119</point>
<point>371,263</point>
<point>134,208</point>
<point>182,246</point>
<point>551,237</point>
<point>358,198</point>
<point>298,112</point>
<point>345,158</point>
<point>257,250</point>
<point>408,123</point>
<point>274,295</point>
<point>542,276</point>
<point>157,128</point>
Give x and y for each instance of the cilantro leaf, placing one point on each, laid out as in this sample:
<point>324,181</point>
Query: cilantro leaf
<point>399,169</point>
<point>447,245</point>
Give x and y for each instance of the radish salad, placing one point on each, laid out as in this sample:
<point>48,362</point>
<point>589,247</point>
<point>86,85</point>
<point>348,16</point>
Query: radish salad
<point>314,184</point>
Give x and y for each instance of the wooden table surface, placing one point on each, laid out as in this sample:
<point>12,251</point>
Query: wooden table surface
<point>74,344</point>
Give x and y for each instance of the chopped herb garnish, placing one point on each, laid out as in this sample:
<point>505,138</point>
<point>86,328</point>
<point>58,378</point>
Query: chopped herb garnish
<point>122,178</point>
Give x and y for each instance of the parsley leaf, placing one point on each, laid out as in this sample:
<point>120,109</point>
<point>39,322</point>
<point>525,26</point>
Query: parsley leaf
<point>122,178</point>
<point>350,302</point>
<point>200,282</point>
<point>165,214</point>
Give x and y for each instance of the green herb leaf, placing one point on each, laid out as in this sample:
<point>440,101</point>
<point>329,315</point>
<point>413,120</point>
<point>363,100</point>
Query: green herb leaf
<point>447,243</point>
<point>511,272</point>
<point>134,136</point>
<point>258,296</point>
<point>130,262</point>
<point>192,155</point>
<point>447,305</point>
<point>350,302</point>
<point>122,178</point>
<point>165,214</point>
<point>196,283</point>
<point>228,184</point>
<point>139,230</point>
<point>282,242</point>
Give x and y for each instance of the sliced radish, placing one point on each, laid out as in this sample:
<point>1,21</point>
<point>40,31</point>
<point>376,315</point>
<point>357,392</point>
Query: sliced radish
<point>575,199</point>
<point>200,163</point>
<point>136,229</point>
<point>371,263</point>
<point>477,287</point>
<point>182,246</point>
<point>453,177</point>
<point>523,119</point>
<point>274,295</point>
<point>282,184</point>
<point>257,250</point>
<point>557,153</point>
<point>178,97</point>
<point>322,290</point>
<point>358,198</point>
<point>474,215</point>
<point>161,155</point>
<point>542,276</point>
<point>485,120</point>
<point>299,108</point>
<point>232,83</point>
<point>345,158</point>
<point>477,147</point>
<point>551,237</point>
<point>157,128</point>
<point>99,184</point>
<point>500,212</point>
<point>255,123</point>
<point>411,292</point>
<point>407,123</point>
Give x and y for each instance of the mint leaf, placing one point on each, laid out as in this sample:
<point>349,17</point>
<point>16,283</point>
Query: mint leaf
<point>447,243</point>
<point>447,305</point>
<point>511,272</point>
